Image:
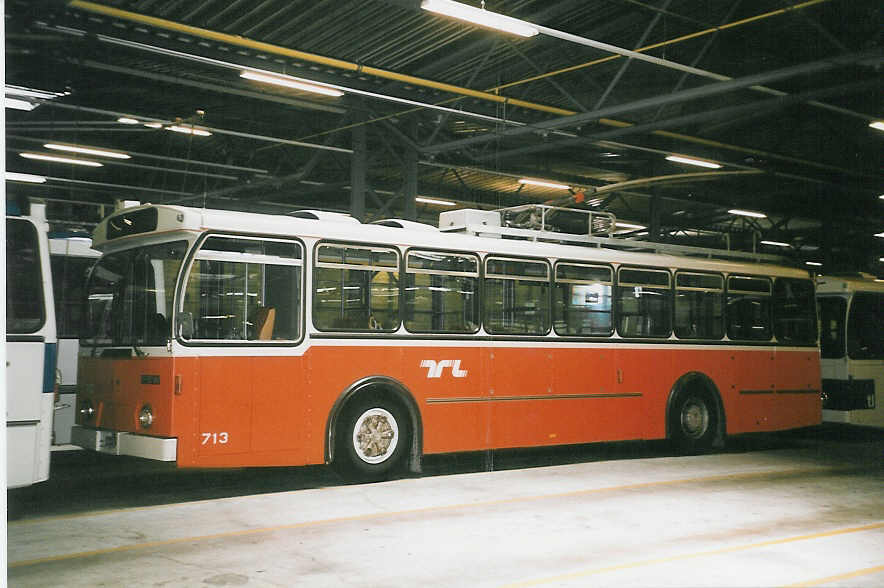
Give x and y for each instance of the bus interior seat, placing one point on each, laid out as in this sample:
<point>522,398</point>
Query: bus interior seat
<point>264,320</point>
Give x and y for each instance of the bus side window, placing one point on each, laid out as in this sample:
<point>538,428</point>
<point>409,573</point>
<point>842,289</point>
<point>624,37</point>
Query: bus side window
<point>441,292</point>
<point>748,308</point>
<point>355,288</point>
<point>699,306</point>
<point>516,296</point>
<point>794,311</point>
<point>245,289</point>
<point>643,299</point>
<point>583,300</point>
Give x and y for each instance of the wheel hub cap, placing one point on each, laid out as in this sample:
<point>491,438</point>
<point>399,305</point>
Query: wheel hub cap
<point>375,435</point>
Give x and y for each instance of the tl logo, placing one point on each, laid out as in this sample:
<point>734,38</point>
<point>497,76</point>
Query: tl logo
<point>435,368</point>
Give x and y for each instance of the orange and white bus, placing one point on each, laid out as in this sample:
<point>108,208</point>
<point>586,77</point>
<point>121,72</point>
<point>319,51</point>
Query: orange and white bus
<point>227,339</point>
<point>852,349</point>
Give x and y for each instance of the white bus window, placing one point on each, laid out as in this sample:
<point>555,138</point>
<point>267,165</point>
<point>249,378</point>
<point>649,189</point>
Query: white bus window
<point>516,296</point>
<point>356,288</point>
<point>794,311</point>
<point>699,306</point>
<point>24,285</point>
<point>865,325</point>
<point>441,292</point>
<point>69,275</point>
<point>748,308</point>
<point>244,289</point>
<point>833,312</point>
<point>582,300</point>
<point>643,302</point>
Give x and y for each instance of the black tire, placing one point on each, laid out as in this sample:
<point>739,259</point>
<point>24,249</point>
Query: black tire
<point>693,422</point>
<point>372,438</point>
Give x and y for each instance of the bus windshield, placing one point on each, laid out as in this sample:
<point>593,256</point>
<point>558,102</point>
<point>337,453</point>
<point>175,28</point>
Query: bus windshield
<point>130,296</point>
<point>24,286</point>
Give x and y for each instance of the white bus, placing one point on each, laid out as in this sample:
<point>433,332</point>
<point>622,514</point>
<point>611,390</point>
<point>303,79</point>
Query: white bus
<point>31,349</point>
<point>852,349</point>
<point>71,257</point>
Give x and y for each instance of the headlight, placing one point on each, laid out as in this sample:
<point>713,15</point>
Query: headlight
<point>145,416</point>
<point>86,410</point>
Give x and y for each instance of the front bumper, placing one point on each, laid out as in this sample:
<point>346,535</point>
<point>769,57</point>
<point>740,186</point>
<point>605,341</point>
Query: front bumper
<point>117,443</point>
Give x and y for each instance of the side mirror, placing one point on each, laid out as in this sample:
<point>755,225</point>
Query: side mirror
<point>184,325</point>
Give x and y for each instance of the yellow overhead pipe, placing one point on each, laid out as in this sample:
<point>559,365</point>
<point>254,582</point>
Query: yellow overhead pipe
<point>673,41</point>
<point>244,42</point>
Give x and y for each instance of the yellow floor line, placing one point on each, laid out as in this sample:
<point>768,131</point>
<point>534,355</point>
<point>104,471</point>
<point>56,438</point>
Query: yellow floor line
<point>684,556</point>
<point>374,515</point>
<point>830,579</point>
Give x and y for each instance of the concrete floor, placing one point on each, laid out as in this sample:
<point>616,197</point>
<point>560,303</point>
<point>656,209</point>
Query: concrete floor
<point>801,512</point>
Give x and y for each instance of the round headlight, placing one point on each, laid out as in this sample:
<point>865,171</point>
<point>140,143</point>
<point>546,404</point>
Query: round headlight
<point>145,416</point>
<point>86,410</point>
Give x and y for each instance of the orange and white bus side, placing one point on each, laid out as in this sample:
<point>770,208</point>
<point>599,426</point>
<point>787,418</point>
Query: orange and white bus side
<point>852,349</point>
<point>227,339</point>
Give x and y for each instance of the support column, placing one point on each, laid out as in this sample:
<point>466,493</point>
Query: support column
<point>654,224</point>
<point>409,189</point>
<point>357,173</point>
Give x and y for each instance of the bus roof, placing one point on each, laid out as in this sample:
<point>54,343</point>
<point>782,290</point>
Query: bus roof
<point>848,284</point>
<point>128,227</point>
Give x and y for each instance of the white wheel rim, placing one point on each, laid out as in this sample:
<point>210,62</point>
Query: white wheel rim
<point>375,435</point>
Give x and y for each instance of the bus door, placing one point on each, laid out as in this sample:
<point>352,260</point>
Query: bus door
<point>241,314</point>
<point>520,363</point>
<point>450,376</point>
<point>754,366</point>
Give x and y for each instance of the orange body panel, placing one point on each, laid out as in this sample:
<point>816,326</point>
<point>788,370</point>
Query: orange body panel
<point>275,410</point>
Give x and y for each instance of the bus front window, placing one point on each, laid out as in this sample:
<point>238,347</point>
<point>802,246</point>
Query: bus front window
<point>24,286</point>
<point>130,296</point>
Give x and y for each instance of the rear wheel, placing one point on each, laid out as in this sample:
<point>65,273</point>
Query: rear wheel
<point>372,438</point>
<point>693,421</point>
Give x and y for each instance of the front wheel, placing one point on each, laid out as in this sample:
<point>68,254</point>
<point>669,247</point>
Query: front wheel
<point>372,438</point>
<point>693,422</point>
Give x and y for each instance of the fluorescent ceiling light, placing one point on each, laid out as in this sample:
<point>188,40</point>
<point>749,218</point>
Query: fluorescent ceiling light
<point>624,225</point>
<point>29,178</point>
<point>87,150</point>
<point>879,235</point>
<point>544,184</point>
<point>56,159</point>
<point>435,201</point>
<point>291,82</point>
<point>748,213</point>
<point>189,130</point>
<point>775,243</point>
<point>878,125</point>
<point>813,263</point>
<point>15,95</point>
<point>154,125</point>
<point>17,104</point>
<point>692,161</point>
<point>32,92</point>
<point>481,17</point>
<point>127,121</point>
